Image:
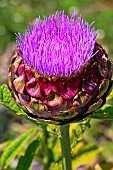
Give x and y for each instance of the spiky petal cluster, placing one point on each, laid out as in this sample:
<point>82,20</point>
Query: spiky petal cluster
<point>59,45</point>
<point>59,73</point>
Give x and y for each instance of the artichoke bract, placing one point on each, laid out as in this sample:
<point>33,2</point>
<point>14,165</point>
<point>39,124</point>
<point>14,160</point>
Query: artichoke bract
<point>59,73</point>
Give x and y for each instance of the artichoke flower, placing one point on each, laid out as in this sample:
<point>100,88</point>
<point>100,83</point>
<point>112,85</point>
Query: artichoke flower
<point>59,73</point>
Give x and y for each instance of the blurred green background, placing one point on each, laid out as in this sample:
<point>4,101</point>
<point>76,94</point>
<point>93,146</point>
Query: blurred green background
<point>15,16</point>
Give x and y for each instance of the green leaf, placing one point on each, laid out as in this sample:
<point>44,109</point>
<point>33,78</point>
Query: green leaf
<point>110,96</point>
<point>105,113</point>
<point>26,160</point>
<point>78,131</point>
<point>14,148</point>
<point>82,156</point>
<point>107,165</point>
<point>7,101</point>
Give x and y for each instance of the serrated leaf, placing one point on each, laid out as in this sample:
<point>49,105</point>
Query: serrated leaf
<point>105,113</point>
<point>26,160</point>
<point>14,148</point>
<point>6,100</point>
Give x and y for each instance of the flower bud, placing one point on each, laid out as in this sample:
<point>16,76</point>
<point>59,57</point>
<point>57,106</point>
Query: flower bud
<point>59,73</point>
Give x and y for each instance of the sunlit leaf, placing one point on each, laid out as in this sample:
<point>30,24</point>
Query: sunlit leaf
<point>110,96</point>
<point>105,113</point>
<point>14,148</point>
<point>7,101</point>
<point>82,156</point>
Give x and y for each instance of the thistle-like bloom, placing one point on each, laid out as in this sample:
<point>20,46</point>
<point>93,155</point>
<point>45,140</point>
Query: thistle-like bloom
<point>59,72</point>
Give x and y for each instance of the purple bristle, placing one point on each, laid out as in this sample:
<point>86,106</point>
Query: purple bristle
<point>59,45</point>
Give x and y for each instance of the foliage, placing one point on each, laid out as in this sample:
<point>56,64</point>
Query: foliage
<point>42,146</point>
<point>5,98</point>
<point>14,148</point>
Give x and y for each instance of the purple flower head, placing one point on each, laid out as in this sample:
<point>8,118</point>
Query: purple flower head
<point>59,45</point>
<point>59,73</point>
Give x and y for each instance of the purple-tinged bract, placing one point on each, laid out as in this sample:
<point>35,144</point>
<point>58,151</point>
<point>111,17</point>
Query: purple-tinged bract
<point>59,73</point>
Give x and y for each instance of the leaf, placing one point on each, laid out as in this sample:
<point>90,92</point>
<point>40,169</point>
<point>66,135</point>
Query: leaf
<point>110,96</point>
<point>105,113</point>
<point>86,149</point>
<point>82,155</point>
<point>107,165</point>
<point>78,131</point>
<point>6,100</point>
<point>14,148</point>
<point>26,160</point>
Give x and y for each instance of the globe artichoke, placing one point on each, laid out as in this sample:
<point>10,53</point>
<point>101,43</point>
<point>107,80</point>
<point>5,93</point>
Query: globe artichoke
<point>59,73</point>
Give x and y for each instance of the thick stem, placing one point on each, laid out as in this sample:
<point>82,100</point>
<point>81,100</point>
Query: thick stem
<point>65,147</point>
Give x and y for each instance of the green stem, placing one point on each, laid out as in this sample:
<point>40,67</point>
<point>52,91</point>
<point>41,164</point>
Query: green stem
<point>65,147</point>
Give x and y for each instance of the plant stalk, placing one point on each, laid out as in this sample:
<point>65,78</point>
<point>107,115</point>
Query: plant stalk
<point>65,147</point>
